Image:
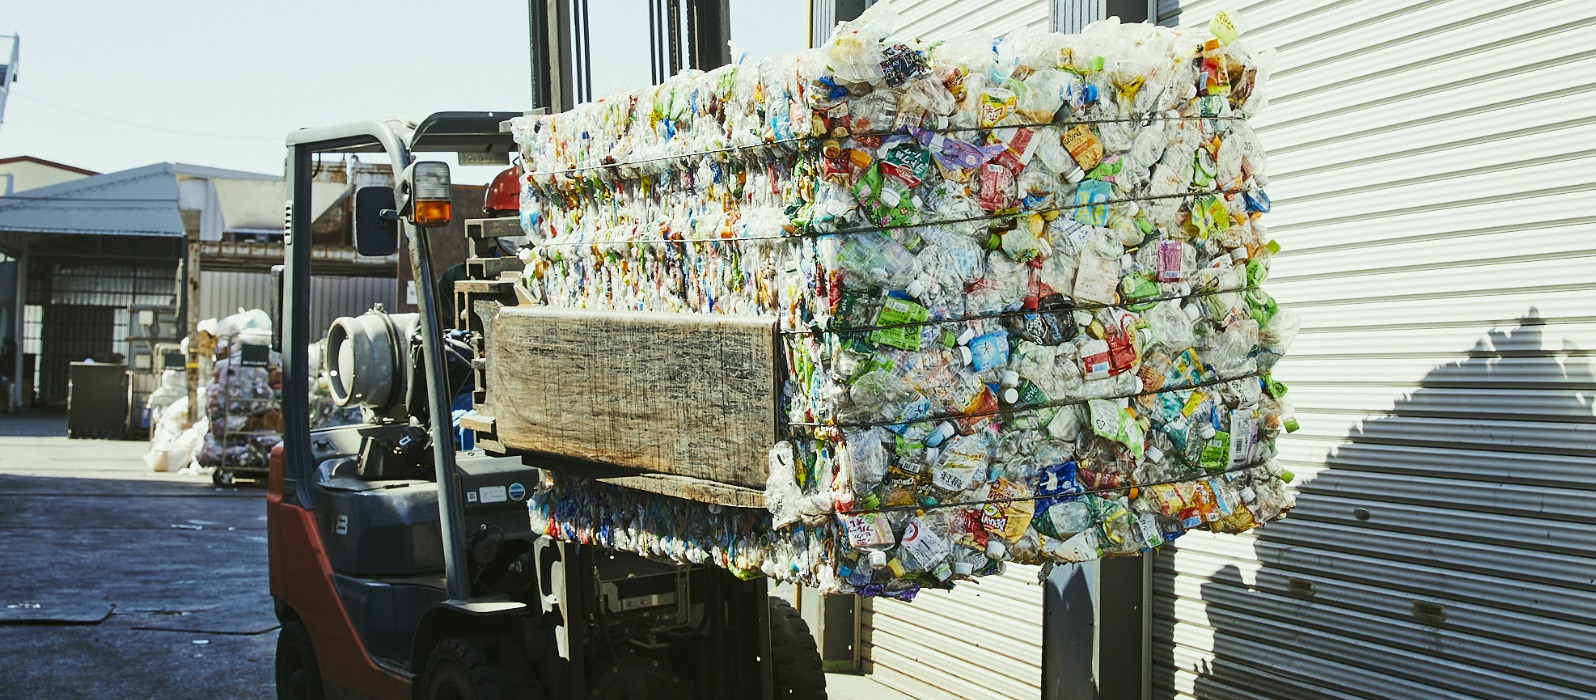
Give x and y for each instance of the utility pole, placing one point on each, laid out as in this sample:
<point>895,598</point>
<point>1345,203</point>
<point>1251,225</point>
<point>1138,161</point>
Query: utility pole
<point>8,72</point>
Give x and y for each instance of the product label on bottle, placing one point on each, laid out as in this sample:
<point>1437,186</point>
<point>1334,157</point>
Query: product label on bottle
<point>1223,27</point>
<point>1031,395</point>
<point>1090,202</point>
<point>1169,261</point>
<point>960,460</point>
<point>922,544</point>
<point>996,103</point>
<point>904,316</point>
<point>1243,437</point>
<point>1081,547</point>
<point>997,187</point>
<point>953,478</point>
<point>1106,419</point>
<point>1167,498</point>
<point>1094,359</point>
<point>917,408</point>
<point>989,350</point>
<point>1147,527</point>
<point>1216,454</point>
<point>1083,146</point>
<point>867,530</point>
<point>1021,142</point>
<point>1222,500</point>
<point>1006,518</point>
<point>1186,369</point>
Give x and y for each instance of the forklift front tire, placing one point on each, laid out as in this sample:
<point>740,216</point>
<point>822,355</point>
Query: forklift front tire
<point>298,677</point>
<point>795,656</point>
<point>467,668</point>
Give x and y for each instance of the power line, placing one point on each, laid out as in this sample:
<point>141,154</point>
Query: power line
<point>151,127</point>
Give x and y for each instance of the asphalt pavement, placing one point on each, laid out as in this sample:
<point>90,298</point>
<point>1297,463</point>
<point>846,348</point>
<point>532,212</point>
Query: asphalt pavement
<point>118,582</point>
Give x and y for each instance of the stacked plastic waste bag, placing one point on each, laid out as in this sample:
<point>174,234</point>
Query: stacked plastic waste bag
<point>1018,279</point>
<point>172,446</point>
<point>241,401</point>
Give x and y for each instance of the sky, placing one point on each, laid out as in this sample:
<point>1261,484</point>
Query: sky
<point>110,84</point>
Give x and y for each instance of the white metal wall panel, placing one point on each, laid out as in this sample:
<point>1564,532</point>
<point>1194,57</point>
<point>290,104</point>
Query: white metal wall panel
<point>979,641</point>
<point>1434,179</point>
<point>940,19</point>
<point>224,293</point>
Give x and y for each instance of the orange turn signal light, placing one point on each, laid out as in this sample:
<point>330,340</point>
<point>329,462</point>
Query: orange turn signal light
<point>433,213</point>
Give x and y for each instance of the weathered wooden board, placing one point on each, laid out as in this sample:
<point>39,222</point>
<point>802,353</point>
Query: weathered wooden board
<point>693,489</point>
<point>692,395</point>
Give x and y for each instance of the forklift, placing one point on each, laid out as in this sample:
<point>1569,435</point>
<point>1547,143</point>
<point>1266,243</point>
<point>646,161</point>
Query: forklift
<point>402,567</point>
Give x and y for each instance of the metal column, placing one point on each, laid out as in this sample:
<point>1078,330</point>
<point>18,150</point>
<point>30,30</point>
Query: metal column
<point>19,326</point>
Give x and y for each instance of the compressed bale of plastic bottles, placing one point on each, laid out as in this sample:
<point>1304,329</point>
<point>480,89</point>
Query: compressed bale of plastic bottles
<point>1019,285</point>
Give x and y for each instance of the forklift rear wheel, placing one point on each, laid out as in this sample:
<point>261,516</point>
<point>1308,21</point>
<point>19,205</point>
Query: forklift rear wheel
<point>795,659</point>
<point>222,477</point>
<point>469,668</point>
<point>298,678</point>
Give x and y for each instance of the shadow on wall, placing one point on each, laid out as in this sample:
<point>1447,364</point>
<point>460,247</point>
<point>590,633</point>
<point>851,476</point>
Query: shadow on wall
<point>1419,564</point>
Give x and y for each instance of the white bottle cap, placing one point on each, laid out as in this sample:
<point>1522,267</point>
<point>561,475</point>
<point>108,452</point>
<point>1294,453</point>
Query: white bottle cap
<point>1011,396</point>
<point>1132,208</point>
<point>1238,254</point>
<point>878,559</point>
<point>1154,454</point>
<point>1125,262</point>
<point>965,356</point>
<point>916,289</point>
<point>1083,318</point>
<point>963,568</point>
<point>1179,425</point>
<point>995,549</point>
<point>1192,312</point>
<point>1207,430</point>
<point>1261,179</point>
<point>1075,175</point>
<point>931,455</point>
<point>1010,378</point>
<point>1185,289</point>
<point>1138,384</point>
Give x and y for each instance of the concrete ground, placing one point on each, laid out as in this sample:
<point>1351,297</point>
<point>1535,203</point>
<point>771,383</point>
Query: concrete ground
<point>122,582</point>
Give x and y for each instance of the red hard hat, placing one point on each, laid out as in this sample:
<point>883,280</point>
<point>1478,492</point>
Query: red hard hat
<point>504,193</point>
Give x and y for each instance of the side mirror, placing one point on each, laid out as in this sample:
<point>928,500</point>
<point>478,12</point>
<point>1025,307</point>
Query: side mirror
<point>277,308</point>
<point>376,221</point>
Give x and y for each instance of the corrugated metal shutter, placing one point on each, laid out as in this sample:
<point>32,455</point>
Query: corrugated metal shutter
<point>1434,185</point>
<point>224,293</point>
<point>940,19</point>
<point>980,640</point>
